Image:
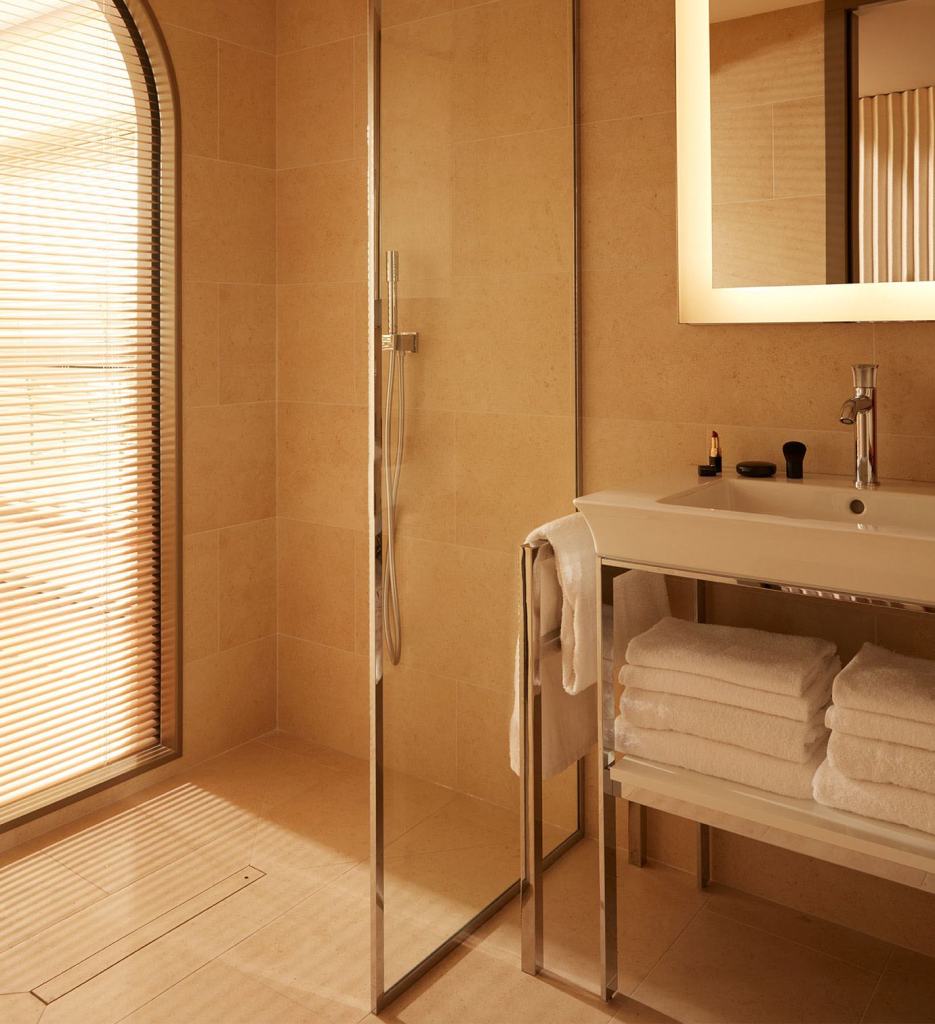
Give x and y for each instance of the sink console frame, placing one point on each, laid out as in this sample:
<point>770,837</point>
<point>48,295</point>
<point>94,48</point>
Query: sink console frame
<point>878,848</point>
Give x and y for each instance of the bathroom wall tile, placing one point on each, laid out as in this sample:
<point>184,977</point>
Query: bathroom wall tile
<point>777,243</point>
<point>200,595</point>
<point>483,747</point>
<point>502,494</point>
<point>670,840</point>
<point>799,147</point>
<point>512,205</point>
<point>228,465</point>
<point>752,976</point>
<point>906,355</point>
<point>229,698</point>
<point>617,450</point>
<point>908,634</point>
<point>247,582</point>
<point>322,343</point>
<point>508,59</point>
<point>323,695</point>
<point>426,505</point>
<point>247,22</point>
<point>247,343</point>
<point>195,60</point>
<point>742,154</point>
<point>322,219</point>
<point>301,24</point>
<point>419,724</point>
<point>322,464</point>
<point>829,451</point>
<point>362,593</point>
<point>199,201</point>
<point>628,201</point>
<point>316,583</point>
<point>198,344</point>
<point>247,105</point>
<point>627,59</point>
<point>361,111</point>
<point>906,458</point>
<point>398,12</point>
<point>315,105</point>
<point>775,57</point>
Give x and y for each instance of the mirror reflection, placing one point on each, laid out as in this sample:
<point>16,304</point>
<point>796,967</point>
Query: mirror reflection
<point>823,141</point>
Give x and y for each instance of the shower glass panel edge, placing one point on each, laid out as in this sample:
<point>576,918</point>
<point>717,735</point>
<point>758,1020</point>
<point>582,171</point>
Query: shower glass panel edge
<point>382,992</point>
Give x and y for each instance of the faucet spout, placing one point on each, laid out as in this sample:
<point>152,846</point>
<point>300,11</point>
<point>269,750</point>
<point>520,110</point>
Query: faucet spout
<point>860,412</point>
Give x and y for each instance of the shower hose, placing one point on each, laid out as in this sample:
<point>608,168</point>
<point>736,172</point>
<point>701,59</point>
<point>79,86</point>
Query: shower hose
<point>392,468</point>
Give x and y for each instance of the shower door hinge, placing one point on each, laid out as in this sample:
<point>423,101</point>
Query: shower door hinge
<point>406,342</point>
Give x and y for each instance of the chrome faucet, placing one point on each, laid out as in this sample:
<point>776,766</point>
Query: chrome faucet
<point>860,411</point>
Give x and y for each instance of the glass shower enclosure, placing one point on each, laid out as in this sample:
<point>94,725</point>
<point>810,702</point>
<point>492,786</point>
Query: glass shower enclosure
<point>473,402</point>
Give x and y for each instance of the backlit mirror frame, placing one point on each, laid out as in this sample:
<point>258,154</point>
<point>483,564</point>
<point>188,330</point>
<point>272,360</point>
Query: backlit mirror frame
<point>699,301</point>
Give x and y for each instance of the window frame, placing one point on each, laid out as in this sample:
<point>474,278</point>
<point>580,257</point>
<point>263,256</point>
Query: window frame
<point>157,101</point>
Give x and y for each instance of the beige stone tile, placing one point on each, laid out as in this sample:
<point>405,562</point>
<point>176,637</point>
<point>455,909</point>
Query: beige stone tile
<point>195,61</point>
<point>670,840</point>
<point>325,756</point>
<point>799,147</point>
<point>631,1011</point>
<point>229,698</point>
<point>200,595</point>
<point>398,12</point>
<point>742,154</point>
<point>627,59</point>
<point>219,994</point>
<point>315,105</point>
<point>419,722</point>
<point>247,105</point>
<point>780,242</point>
<point>300,24</point>
<point>512,205</point>
<point>228,465</point>
<point>907,369</point>
<point>198,344</point>
<point>907,458</point>
<point>752,976</point>
<point>247,343</point>
<point>323,695</point>
<point>841,943</point>
<point>829,451</point>
<point>464,823</point>
<point>906,994</point>
<point>776,56</point>
<point>316,583</point>
<point>617,450</point>
<point>362,593</point>
<point>513,472</point>
<point>322,464</point>
<point>322,223</point>
<point>20,1008</point>
<point>512,68</point>
<point>426,504</point>
<point>36,891</point>
<point>471,635</point>
<point>199,201</point>
<point>361,111</point>
<point>483,747</point>
<point>247,582</point>
<point>322,343</point>
<point>247,22</point>
<point>908,634</point>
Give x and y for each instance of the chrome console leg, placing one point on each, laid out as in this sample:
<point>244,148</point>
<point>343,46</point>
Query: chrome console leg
<point>636,833</point>
<point>703,867</point>
<point>607,856</point>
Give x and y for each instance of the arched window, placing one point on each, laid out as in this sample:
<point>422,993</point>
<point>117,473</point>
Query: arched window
<point>88,560</point>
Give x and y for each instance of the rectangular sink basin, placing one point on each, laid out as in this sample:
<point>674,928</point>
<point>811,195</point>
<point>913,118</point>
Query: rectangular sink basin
<point>817,534</point>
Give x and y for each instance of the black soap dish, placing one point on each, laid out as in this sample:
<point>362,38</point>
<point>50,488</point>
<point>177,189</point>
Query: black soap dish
<point>756,469</point>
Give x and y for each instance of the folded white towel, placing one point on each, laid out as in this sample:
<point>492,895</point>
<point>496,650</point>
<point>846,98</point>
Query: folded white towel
<point>877,761</point>
<point>778,737</point>
<point>874,799</point>
<point>889,684</point>
<point>797,709</point>
<point>722,760</point>
<point>748,657</point>
<point>872,726</point>
<point>571,541</point>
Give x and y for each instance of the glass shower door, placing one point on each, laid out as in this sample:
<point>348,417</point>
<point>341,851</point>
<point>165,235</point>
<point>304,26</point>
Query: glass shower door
<point>473,402</point>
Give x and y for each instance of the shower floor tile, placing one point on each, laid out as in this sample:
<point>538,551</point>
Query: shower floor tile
<point>293,947</point>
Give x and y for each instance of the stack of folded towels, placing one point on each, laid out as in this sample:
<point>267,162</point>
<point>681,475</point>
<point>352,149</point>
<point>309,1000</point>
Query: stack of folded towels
<point>741,704</point>
<point>881,756</point>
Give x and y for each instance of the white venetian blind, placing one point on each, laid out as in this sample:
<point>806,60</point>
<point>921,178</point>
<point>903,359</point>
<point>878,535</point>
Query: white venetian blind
<point>896,227</point>
<point>79,397</point>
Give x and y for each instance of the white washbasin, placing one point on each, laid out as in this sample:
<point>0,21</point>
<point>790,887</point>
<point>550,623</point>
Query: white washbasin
<point>820,533</point>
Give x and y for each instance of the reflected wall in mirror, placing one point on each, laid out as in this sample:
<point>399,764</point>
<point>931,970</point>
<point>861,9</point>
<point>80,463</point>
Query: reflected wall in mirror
<point>822,141</point>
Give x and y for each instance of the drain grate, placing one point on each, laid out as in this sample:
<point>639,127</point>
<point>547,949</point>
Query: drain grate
<point>133,942</point>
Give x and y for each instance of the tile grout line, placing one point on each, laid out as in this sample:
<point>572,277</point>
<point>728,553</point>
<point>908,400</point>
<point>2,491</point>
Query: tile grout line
<point>876,988</point>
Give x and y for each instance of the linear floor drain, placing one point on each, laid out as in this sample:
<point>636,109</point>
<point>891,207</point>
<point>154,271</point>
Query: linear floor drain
<point>134,941</point>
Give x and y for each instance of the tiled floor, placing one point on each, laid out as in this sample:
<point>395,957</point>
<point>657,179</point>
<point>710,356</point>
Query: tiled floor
<point>293,946</point>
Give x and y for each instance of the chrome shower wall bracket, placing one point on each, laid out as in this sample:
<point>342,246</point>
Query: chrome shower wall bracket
<point>408,341</point>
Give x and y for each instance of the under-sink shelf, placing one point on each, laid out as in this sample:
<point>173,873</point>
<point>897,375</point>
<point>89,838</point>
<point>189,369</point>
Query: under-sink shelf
<point>876,847</point>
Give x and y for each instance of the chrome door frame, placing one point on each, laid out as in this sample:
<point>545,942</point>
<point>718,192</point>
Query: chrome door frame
<point>529,875</point>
